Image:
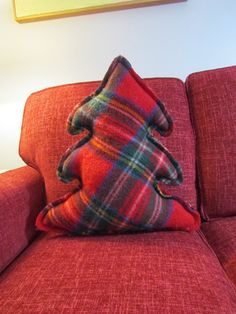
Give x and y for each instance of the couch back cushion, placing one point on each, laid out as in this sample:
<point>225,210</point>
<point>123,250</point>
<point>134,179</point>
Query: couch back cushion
<point>44,137</point>
<point>212,96</point>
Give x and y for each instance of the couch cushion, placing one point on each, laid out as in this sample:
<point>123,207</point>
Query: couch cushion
<point>221,234</point>
<point>212,96</point>
<point>121,193</point>
<point>160,272</point>
<point>44,137</point>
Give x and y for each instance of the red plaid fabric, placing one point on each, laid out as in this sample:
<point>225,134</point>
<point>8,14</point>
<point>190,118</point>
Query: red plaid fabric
<point>118,163</point>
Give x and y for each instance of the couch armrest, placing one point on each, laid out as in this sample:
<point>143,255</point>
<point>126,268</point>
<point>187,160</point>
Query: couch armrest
<point>21,198</point>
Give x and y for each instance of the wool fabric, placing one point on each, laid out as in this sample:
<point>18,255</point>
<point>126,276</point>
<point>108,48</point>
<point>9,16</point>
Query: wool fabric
<point>118,163</point>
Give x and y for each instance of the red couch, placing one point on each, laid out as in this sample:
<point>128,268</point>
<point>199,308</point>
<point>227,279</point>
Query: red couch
<point>158,272</point>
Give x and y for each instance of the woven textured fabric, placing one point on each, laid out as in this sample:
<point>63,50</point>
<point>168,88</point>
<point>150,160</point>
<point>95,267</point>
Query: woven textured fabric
<point>157,272</point>
<point>120,192</point>
<point>21,197</point>
<point>221,234</point>
<point>212,96</point>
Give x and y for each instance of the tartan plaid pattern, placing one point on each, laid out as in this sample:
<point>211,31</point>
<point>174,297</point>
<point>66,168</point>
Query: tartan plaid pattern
<point>118,164</point>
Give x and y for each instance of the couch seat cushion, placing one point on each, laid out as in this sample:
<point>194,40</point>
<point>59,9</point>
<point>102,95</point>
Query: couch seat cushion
<point>221,234</point>
<point>159,272</point>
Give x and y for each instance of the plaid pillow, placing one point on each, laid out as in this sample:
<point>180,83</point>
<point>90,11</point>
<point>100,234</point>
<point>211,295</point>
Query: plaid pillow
<point>118,163</point>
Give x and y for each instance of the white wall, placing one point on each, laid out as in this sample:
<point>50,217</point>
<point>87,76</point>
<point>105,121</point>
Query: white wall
<point>166,40</point>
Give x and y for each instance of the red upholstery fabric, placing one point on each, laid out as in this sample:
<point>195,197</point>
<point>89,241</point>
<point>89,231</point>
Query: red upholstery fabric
<point>162,272</point>
<point>21,198</point>
<point>221,234</point>
<point>44,137</point>
<point>212,96</point>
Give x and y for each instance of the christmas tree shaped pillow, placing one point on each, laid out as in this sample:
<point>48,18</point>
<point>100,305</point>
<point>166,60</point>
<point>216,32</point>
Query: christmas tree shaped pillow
<point>118,164</point>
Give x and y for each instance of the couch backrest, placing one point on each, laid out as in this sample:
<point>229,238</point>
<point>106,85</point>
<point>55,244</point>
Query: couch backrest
<point>212,96</point>
<point>44,137</point>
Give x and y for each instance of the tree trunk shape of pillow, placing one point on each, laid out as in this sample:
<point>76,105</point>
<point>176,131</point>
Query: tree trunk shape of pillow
<point>118,164</point>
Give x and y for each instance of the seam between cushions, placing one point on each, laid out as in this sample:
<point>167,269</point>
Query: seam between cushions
<point>198,181</point>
